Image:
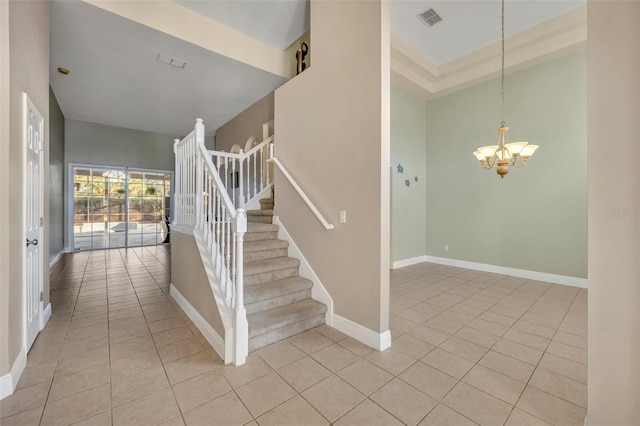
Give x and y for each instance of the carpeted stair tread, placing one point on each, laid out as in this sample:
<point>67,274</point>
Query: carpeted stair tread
<point>269,265</point>
<point>261,227</point>
<point>267,321</point>
<point>257,293</point>
<point>266,212</point>
<point>253,246</point>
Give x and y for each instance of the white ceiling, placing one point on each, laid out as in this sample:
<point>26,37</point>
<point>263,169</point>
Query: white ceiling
<point>467,26</point>
<point>116,80</point>
<point>275,22</point>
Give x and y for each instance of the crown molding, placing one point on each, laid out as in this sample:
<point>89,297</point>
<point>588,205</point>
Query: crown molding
<point>549,40</point>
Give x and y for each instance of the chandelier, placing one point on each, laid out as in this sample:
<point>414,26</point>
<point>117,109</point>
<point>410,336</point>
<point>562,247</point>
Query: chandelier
<point>504,154</point>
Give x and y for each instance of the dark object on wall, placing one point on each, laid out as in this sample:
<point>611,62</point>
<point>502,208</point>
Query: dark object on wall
<point>301,53</point>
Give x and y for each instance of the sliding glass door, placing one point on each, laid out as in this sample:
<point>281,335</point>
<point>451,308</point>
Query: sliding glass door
<point>119,207</point>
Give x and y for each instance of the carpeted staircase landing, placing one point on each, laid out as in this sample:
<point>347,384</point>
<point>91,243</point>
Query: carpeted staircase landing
<point>277,300</point>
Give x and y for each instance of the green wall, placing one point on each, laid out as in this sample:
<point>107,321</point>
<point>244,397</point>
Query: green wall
<point>56,177</point>
<point>408,148</point>
<point>536,217</point>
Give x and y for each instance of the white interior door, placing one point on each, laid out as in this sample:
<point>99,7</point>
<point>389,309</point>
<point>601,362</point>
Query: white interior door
<point>34,139</point>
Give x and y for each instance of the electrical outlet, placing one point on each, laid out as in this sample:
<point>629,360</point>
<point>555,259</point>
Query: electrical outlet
<point>343,216</point>
<point>446,247</point>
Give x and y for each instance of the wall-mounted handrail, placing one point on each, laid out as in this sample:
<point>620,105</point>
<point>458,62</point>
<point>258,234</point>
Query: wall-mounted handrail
<point>299,190</point>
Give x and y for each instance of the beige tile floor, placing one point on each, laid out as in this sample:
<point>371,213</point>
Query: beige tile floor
<point>468,348</point>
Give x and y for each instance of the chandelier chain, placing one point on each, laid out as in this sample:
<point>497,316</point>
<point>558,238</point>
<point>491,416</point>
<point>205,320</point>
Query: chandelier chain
<point>502,123</point>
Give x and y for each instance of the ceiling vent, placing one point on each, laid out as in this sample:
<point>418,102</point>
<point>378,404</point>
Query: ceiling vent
<point>430,17</point>
<point>170,60</point>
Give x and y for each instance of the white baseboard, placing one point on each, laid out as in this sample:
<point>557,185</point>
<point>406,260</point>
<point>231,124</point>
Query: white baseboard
<point>212,336</point>
<point>379,341</point>
<point>520,273</point>
<point>408,262</point>
<point>318,291</point>
<point>56,259</point>
<point>9,381</point>
<point>46,315</point>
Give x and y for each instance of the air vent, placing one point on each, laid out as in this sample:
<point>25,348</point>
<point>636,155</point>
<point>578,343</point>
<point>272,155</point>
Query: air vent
<point>170,60</point>
<point>430,17</point>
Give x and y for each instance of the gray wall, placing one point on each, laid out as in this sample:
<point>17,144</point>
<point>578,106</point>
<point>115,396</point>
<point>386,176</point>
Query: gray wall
<point>536,217</point>
<point>92,143</point>
<point>614,213</point>
<point>189,277</point>
<point>101,145</point>
<point>57,223</point>
<point>28,30</point>
<point>408,148</point>
<point>244,125</point>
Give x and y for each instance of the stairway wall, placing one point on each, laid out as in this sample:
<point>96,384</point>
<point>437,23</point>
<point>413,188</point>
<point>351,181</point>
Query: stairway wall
<point>244,125</point>
<point>188,276</point>
<point>332,134</point>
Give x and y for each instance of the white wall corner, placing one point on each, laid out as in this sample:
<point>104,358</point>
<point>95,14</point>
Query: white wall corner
<point>408,262</point>
<point>56,259</point>
<point>209,333</point>
<point>46,316</point>
<point>514,272</point>
<point>318,291</point>
<point>378,341</point>
<point>9,381</point>
<point>254,203</point>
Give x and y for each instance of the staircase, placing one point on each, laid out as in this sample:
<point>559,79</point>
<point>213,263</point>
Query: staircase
<point>278,301</point>
<point>256,285</point>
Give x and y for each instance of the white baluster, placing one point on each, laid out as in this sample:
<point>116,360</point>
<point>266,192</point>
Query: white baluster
<point>233,180</point>
<point>255,175</point>
<point>198,192</point>
<point>262,168</point>
<point>240,184</point>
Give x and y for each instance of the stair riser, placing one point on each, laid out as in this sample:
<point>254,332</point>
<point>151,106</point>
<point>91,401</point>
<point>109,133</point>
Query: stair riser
<point>264,277</point>
<point>260,236</point>
<point>279,334</point>
<point>275,302</point>
<point>266,206</point>
<point>264,254</point>
<point>260,219</point>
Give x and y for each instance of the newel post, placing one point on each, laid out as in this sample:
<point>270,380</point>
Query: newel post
<point>240,314</point>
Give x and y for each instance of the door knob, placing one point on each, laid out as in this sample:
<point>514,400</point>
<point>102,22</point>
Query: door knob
<point>34,242</point>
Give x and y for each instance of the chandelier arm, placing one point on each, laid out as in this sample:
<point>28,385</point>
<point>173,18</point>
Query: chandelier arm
<point>521,162</point>
<point>492,162</point>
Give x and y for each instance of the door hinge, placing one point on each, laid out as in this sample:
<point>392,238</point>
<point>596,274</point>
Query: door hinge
<point>41,296</point>
<point>41,221</point>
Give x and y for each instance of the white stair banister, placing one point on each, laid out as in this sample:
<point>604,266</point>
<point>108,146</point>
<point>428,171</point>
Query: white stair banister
<point>254,176</point>
<point>204,207</point>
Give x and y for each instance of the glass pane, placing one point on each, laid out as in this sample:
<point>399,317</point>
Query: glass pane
<point>101,216</point>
